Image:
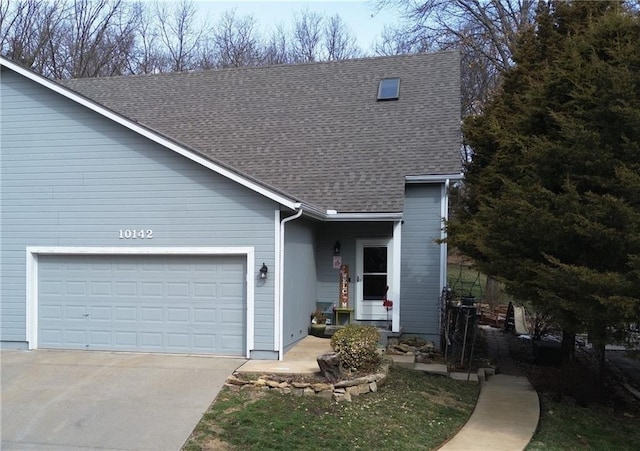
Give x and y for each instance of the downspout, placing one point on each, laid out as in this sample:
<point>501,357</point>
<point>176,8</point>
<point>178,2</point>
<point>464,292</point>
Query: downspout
<point>444,211</point>
<point>280,310</point>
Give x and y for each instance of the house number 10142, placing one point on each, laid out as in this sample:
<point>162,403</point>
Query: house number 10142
<point>134,234</point>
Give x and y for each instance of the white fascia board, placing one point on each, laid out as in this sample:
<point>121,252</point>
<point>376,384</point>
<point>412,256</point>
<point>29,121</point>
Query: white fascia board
<point>127,250</point>
<point>439,178</point>
<point>147,133</point>
<point>391,217</point>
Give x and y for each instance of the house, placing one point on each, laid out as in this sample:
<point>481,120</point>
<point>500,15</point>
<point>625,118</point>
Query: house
<point>211,211</point>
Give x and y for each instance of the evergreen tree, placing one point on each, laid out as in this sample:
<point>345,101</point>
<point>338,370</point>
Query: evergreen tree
<point>551,201</point>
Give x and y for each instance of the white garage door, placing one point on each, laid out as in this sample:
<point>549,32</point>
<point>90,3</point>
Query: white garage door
<point>152,303</point>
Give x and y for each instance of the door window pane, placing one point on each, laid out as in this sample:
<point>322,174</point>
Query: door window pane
<point>374,287</point>
<point>375,259</point>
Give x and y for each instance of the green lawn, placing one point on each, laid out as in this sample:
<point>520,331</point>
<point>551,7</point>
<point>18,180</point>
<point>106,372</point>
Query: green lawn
<point>412,411</point>
<point>569,427</point>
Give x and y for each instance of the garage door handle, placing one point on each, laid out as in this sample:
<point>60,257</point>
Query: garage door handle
<point>86,315</point>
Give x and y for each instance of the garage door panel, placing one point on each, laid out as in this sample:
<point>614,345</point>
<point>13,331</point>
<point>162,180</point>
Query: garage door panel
<point>151,339</point>
<point>50,336</point>
<point>76,337</point>
<point>100,337</point>
<point>205,290</point>
<point>152,314</point>
<point>143,303</point>
<point>100,313</point>
<point>126,289</point>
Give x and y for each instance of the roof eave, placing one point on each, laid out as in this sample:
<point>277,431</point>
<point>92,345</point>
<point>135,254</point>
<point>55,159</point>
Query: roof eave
<point>365,217</point>
<point>433,178</point>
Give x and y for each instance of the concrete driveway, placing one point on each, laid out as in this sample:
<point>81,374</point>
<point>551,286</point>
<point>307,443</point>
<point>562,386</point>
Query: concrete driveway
<point>79,400</point>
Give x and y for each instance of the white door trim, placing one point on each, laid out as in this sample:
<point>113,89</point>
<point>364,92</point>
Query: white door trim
<point>379,312</point>
<point>32,276</point>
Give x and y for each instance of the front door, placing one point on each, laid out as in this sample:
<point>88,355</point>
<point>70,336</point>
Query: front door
<point>373,276</point>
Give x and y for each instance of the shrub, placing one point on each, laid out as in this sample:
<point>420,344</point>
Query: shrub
<point>356,346</point>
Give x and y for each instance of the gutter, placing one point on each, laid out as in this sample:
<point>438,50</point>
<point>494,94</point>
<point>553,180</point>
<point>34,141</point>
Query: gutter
<point>441,178</point>
<point>280,293</point>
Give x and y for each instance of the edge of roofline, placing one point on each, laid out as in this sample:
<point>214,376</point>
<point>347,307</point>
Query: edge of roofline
<point>433,178</point>
<point>389,216</point>
<point>147,133</point>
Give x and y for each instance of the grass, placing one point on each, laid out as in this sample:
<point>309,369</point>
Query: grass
<point>569,427</point>
<point>575,414</point>
<point>412,411</point>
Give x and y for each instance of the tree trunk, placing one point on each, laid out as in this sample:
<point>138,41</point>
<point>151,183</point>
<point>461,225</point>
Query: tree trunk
<point>568,345</point>
<point>598,339</point>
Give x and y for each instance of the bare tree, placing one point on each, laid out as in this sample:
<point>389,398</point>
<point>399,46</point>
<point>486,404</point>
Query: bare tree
<point>147,56</point>
<point>235,41</point>
<point>306,36</point>
<point>277,49</point>
<point>339,40</point>
<point>395,41</point>
<point>486,31</point>
<point>27,29</point>
<point>95,39</point>
<point>180,34</point>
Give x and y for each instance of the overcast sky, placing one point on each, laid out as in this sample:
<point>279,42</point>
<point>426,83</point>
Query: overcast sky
<point>360,15</point>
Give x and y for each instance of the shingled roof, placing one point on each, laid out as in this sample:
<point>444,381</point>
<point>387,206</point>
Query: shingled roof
<point>313,130</point>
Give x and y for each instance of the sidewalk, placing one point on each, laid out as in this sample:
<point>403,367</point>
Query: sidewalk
<point>506,414</point>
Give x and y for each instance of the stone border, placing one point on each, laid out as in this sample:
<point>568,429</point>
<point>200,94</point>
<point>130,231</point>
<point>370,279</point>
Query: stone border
<point>341,391</point>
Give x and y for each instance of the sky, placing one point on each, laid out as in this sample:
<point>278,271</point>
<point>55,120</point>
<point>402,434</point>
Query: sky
<point>360,15</point>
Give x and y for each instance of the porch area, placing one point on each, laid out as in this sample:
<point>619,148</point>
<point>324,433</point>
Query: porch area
<point>300,359</point>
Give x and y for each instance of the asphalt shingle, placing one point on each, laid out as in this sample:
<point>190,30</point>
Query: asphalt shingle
<point>313,130</point>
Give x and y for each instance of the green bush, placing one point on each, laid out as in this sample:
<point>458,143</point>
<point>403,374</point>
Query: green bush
<point>356,346</point>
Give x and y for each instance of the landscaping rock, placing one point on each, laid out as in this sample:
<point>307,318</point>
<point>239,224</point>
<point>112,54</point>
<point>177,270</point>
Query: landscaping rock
<point>235,381</point>
<point>321,387</point>
<point>363,389</point>
<point>343,390</point>
<point>330,366</point>
<point>341,396</point>
<point>353,390</point>
<point>347,383</point>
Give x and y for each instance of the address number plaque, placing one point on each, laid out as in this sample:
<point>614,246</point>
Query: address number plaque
<point>135,234</point>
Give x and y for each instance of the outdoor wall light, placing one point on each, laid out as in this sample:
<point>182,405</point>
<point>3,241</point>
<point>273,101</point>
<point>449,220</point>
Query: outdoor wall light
<point>336,248</point>
<point>263,271</point>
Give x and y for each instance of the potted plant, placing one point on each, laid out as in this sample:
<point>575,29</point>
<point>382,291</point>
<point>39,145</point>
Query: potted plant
<point>318,323</point>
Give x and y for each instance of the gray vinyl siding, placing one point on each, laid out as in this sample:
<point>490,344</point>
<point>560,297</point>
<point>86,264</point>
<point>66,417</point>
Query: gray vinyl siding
<point>70,177</point>
<point>420,273</point>
<point>300,279</point>
<point>347,234</point>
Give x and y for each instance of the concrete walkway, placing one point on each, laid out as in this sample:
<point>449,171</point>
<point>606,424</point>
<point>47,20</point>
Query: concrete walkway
<point>301,359</point>
<point>507,412</point>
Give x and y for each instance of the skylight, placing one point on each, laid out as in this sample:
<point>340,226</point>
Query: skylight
<point>389,89</point>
